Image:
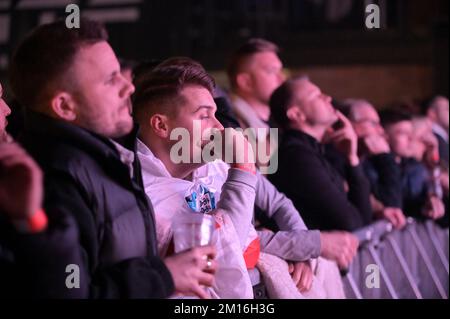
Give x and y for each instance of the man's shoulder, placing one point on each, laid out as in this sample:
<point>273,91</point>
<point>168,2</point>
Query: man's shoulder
<point>296,146</point>
<point>58,158</point>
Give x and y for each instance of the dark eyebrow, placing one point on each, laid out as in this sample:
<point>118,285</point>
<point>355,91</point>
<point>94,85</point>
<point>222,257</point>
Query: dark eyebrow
<point>114,73</point>
<point>209,107</point>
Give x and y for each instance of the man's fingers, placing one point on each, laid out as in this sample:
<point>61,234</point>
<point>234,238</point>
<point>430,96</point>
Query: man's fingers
<point>209,251</point>
<point>290,267</point>
<point>343,118</point>
<point>205,279</point>
<point>394,218</point>
<point>436,209</point>
<point>297,275</point>
<point>343,263</point>
<point>305,281</point>
<point>200,292</point>
<point>401,219</point>
<point>354,242</point>
<point>210,265</point>
<point>396,221</point>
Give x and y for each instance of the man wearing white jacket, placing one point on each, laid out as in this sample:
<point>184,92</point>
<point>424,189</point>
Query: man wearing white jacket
<point>175,95</point>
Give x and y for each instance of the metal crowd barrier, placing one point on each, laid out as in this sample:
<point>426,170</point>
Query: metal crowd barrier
<point>411,263</point>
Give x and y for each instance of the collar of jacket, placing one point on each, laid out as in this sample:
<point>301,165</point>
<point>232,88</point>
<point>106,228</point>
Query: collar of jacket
<point>300,137</point>
<point>41,124</point>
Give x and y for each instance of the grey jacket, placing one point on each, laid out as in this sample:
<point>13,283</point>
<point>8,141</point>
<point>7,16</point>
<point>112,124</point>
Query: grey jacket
<point>293,241</point>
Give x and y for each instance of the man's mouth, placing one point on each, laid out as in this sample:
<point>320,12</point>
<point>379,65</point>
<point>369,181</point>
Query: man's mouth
<point>128,106</point>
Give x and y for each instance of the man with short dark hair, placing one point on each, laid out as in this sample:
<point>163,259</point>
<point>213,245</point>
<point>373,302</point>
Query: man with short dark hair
<point>171,97</point>
<point>419,200</point>
<point>79,129</point>
<point>306,116</point>
<point>254,72</point>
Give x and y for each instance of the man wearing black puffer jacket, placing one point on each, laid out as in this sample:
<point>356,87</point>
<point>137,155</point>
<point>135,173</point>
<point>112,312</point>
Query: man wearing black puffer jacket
<point>80,131</point>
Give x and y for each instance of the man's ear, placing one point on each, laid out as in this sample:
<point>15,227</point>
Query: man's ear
<point>244,81</point>
<point>159,125</point>
<point>64,106</point>
<point>294,114</point>
<point>431,114</point>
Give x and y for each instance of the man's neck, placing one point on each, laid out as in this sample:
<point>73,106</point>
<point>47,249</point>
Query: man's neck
<point>262,110</point>
<point>315,131</point>
<point>181,170</point>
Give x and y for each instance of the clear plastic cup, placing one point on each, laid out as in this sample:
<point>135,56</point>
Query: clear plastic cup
<point>192,230</point>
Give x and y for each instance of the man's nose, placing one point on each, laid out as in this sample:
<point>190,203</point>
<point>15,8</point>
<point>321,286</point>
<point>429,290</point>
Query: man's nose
<point>4,108</point>
<point>281,77</point>
<point>218,125</point>
<point>128,88</point>
<point>380,129</point>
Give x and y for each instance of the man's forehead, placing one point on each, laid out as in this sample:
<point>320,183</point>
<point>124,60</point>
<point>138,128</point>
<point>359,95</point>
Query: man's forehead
<point>305,88</point>
<point>197,94</point>
<point>264,59</point>
<point>442,102</point>
<point>403,126</point>
<point>97,55</point>
<point>366,111</point>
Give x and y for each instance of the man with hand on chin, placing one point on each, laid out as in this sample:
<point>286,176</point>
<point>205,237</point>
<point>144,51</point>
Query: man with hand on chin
<point>306,116</point>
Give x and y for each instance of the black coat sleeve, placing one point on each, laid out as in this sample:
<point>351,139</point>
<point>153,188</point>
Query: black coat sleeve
<point>34,265</point>
<point>322,201</point>
<point>388,186</point>
<point>359,192</point>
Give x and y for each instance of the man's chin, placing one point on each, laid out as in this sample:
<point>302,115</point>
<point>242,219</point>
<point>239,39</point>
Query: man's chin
<point>122,129</point>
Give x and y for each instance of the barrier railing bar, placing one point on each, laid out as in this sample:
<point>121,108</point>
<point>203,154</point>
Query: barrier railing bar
<point>426,259</point>
<point>383,272</point>
<point>353,286</point>
<point>352,283</point>
<point>404,266</point>
<point>437,247</point>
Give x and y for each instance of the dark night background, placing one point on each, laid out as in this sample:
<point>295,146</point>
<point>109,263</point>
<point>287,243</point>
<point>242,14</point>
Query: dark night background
<point>405,60</point>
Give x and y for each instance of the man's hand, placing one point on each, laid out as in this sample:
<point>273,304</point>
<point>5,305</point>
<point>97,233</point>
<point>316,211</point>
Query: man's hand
<point>395,216</point>
<point>193,269</point>
<point>339,246</point>
<point>376,144</point>
<point>302,275</point>
<point>345,139</point>
<point>238,151</point>
<point>434,208</point>
<point>20,182</point>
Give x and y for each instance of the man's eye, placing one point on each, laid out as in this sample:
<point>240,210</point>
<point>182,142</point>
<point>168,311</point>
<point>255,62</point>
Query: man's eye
<point>111,81</point>
<point>204,117</point>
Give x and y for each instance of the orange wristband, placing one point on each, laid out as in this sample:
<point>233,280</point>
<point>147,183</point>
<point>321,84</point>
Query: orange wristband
<point>245,167</point>
<point>32,224</point>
